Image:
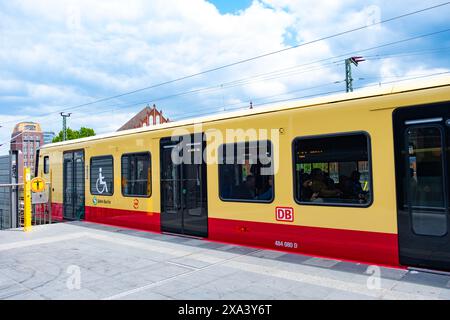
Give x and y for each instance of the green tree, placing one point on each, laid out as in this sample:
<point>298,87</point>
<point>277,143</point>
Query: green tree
<point>75,134</point>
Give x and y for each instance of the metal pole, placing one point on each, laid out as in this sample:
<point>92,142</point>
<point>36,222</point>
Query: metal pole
<point>26,199</point>
<point>64,117</point>
<point>49,203</point>
<point>348,75</point>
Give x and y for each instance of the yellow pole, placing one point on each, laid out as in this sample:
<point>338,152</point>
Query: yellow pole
<point>27,199</point>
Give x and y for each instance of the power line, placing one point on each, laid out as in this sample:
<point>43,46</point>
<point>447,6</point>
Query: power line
<point>302,65</point>
<point>205,89</point>
<point>307,96</point>
<point>219,86</point>
<point>264,55</point>
<point>267,97</point>
<point>331,92</point>
<point>259,56</point>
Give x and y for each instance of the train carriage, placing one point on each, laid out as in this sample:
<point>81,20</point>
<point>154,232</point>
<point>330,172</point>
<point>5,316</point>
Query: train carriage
<point>360,176</point>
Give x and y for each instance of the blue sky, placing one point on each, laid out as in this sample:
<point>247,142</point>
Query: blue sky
<point>227,6</point>
<point>57,54</point>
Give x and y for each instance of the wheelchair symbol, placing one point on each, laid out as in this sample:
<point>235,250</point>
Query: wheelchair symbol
<point>101,183</point>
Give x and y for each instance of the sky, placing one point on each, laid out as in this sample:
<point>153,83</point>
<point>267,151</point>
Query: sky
<point>57,55</point>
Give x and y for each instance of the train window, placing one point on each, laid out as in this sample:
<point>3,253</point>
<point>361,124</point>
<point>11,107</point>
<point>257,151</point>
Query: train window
<point>136,175</point>
<point>102,176</point>
<point>246,172</point>
<point>46,165</point>
<point>333,170</point>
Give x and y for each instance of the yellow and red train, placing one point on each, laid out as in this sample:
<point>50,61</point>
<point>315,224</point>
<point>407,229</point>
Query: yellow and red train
<point>360,176</point>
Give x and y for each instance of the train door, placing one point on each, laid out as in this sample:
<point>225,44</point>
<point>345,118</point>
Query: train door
<point>422,142</point>
<point>184,208</point>
<point>73,185</point>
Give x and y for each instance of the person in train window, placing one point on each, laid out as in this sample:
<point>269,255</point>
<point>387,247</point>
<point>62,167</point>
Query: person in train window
<point>306,189</point>
<point>356,188</point>
<point>328,181</point>
<point>319,186</point>
<point>227,182</point>
<point>246,190</point>
<point>268,194</point>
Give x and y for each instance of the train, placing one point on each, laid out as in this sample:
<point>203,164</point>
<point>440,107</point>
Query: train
<point>359,176</point>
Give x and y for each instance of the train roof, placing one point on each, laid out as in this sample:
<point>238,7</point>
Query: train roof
<point>371,91</point>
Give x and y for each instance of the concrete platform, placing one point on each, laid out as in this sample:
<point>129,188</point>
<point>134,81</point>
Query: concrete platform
<point>87,261</point>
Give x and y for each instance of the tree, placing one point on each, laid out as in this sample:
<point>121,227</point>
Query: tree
<point>75,134</point>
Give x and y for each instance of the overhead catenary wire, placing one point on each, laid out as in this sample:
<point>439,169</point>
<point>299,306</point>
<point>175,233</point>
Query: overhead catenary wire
<point>306,64</point>
<point>267,54</point>
<point>220,86</point>
<point>148,101</point>
<point>258,56</point>
<point>302,97</point>
<point>228,105</point>
<point>327,93</point>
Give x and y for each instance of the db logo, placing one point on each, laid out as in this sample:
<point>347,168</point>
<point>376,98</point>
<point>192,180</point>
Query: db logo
<point>284,214</point>
<point>136,203</point>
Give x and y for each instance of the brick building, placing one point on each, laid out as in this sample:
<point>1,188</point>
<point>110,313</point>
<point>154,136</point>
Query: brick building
<point>26,138</point>
<point>146,117</point>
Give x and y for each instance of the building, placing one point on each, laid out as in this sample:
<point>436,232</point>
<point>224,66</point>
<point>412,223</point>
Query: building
<point>146,117</point>
<point>26,138</point>
<point>48,136</point>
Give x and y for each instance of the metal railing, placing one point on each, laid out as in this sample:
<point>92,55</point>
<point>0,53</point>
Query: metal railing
<point>40,213</point>
<point>8,206</point>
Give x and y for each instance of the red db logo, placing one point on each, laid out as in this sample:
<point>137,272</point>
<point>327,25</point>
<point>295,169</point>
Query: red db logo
<point>284,214</point>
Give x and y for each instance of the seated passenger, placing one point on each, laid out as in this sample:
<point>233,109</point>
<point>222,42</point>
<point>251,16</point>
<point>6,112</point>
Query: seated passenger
<point>320,187</point>
<point>246,190</point>
<point>328,181</point>
<point>268,194</point>
<point>356,188</point>
<point>345,185</point>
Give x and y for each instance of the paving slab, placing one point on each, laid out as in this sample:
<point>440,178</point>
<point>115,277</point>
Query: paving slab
<point>80,260</point>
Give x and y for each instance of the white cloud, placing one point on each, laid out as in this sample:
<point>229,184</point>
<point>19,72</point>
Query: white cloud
<point>57,54</point>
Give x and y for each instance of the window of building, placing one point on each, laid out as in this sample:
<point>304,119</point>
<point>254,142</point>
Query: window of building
<point>102,175</point>
<point>246,172</point>
<point>46,165</point>
<point>136,175</point>
<point>333,170</point>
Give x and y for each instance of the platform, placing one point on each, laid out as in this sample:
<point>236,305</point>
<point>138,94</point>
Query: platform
<point>88,261</point>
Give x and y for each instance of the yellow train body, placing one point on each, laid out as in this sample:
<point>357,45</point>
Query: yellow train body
<point>370,112</point>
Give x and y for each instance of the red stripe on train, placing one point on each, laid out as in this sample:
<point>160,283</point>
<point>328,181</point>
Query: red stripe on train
<point>370,247</point>
<point>147,221</point>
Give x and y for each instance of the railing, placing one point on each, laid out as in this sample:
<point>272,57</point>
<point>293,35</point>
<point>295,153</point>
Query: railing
<point>41,213</point>
<point>8,206</point>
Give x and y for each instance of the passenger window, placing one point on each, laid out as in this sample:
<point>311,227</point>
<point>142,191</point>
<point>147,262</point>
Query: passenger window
<point>333,170</point>
<point>136,175</point>
<point>46,165</point>
<point>246,172</point>
<point>102,176</point>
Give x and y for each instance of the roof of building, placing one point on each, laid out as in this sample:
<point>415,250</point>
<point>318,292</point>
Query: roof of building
<point>142,116</point>
<point>380,90</point>
<point>27,126</point>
